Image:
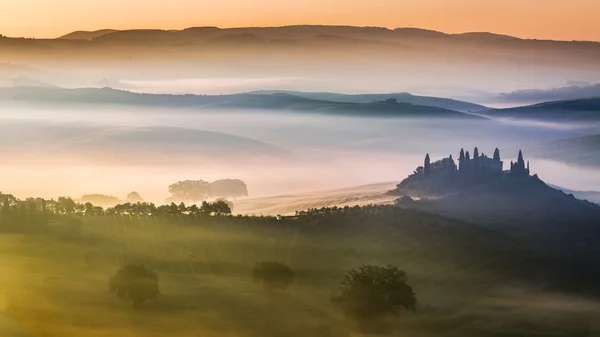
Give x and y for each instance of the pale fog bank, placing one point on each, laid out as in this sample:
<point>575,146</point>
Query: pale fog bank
<point>75,150</point>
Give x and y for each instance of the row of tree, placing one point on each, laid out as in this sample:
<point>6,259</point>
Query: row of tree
<point>38,208</point>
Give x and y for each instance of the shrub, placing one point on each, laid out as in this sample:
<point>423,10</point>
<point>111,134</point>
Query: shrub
<point>373,291</point>
<point>273,275</point>
<point>135,283</point>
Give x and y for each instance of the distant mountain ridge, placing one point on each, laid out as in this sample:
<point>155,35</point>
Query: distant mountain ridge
<point>269,102</point>
<point>300,29</point>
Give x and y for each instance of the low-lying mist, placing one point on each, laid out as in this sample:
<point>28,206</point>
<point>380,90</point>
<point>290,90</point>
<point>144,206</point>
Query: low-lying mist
<point>74,150</point>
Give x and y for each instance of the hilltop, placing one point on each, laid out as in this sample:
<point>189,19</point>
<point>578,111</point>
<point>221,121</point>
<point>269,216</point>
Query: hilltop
<point>511,201</point>
<point>266,102</point>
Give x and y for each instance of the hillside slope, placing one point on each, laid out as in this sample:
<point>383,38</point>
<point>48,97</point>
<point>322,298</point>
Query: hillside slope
<point>237,101</point>
<point>444,103</point>
<point>527,208</point>
<point>579,110</point>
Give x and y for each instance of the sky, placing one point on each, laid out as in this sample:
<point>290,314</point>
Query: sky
<point>541,19</point>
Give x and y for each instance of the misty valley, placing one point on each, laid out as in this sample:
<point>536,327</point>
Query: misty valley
<point>175,183</point>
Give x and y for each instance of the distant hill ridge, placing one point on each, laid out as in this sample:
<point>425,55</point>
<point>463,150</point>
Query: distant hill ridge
<point>445,103</point>
<point>277,101</point>
<point>565,110</point>
<point>302,30</point>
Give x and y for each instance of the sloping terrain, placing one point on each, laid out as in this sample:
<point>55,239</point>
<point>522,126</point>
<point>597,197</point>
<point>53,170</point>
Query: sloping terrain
<point>525,207</point>
<point>279,102</point>
<point>289,204</point>
<point>444,103</point>
<point>580,110</point>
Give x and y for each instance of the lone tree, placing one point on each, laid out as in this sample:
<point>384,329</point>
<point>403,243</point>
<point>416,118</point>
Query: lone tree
<point>135,283</point>
<point>273,275</point>
<point>427,165</point>
<point>372,292</point>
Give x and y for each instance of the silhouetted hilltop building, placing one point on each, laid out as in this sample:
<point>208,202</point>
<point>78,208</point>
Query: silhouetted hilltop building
<point>445,176</point>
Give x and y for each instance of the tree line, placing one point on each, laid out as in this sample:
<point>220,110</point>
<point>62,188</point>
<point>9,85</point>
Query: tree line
<point>32,209</point>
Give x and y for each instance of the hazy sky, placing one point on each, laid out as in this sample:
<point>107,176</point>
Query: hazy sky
<point>548,19</point>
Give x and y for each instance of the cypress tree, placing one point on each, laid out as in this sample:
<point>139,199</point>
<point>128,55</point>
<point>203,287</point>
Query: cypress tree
<point>427,166</point>
<point>496,154</point>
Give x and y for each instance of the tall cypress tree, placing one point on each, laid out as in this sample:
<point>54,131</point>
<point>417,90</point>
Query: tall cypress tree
<point>496,154</point>
<point>467,165</point>
<point>427,165</point>
<point>461,161</point>
<point>475,160</point>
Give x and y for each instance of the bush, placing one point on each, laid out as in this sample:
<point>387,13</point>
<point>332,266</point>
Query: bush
<point>135,283</point>
<point>273,275</point>
<point>371,292</point>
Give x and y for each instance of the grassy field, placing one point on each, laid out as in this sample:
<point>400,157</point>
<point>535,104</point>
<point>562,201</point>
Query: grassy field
<point>54,281</point>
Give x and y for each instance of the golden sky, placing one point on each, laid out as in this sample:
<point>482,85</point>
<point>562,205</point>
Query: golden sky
<point>549,19</point>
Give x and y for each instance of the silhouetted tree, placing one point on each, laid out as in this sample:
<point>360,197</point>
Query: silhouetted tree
<point>373,291</point>
<point>229,203</point>
<point>461,161</point>
<point>427,166</point>
<point>189,190</point>
<point>135,283</point>
<point>67,205</point>
<point>273,275</point>
<point>221,207</point>
<point>496,154</point>
<point>134,197</point>
<point>100,199</point>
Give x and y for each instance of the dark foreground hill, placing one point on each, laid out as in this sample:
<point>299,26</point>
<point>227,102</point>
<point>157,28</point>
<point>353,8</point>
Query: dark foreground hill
<point>279,102</point>
<point>444,103</point>
<point>580,110</point>
<point>552,222</point>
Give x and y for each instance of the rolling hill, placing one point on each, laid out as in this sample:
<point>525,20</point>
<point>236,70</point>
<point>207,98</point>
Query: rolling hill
<point>278,102</point>
<point>580,110</point>
<point>444,103</point>
<point>87,35</point>
<point>527,208</point>
<point>533,96</point>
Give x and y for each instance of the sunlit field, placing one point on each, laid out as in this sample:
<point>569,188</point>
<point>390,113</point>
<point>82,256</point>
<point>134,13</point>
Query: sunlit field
<point>55,281</point>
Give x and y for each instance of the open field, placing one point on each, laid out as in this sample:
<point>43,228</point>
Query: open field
<point>54,281</point>
<point>289,204</point>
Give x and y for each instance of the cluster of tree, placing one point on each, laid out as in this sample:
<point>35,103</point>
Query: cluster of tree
<point>219,207</point>
<point>100,200</point>
<point>200,190</point>
<point>364,210</point>
<point>366,294</point>
<point>34,210</point>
